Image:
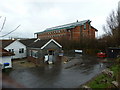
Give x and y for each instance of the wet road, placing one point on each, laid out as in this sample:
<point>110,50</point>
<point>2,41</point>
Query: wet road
<point>60,75</point>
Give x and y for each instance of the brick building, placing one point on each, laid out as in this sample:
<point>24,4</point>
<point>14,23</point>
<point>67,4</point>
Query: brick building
<point>71,31</point>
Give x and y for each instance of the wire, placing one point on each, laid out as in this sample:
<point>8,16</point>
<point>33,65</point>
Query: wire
<point>10,31</point>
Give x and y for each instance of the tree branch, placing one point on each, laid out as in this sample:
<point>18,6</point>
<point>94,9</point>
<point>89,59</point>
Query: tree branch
<point>3,24</point>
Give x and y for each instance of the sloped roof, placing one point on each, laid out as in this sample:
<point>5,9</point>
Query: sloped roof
<point>66,26</point>
<point>52,40</point>
<point>5,43</point>
<point>94,28</point>
<point>43,43</point>
<point>27,42</point>
<point>39,43</point>
<point>4,52</point>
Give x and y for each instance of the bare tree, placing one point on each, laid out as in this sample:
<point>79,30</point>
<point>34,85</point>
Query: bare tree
<point>111,23</point>
<point>3,24</point>
<point>112,28</point>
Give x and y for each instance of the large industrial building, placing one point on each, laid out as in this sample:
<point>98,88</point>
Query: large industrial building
<point>71,31</point>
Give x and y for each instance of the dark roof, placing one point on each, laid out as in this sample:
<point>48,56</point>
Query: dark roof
<point>5,43</point>
<point>4,52</point>
<point>39,43</point>
<point>66,26</point>
<point>27,42</point>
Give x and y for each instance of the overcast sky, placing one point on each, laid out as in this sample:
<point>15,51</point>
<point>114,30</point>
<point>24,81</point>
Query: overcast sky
<point>37,15</point>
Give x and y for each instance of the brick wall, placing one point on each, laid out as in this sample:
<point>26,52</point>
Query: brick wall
<point>71,34</point>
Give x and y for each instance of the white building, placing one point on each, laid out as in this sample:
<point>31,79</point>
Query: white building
<point>15,47</point>
<point>5,58</point>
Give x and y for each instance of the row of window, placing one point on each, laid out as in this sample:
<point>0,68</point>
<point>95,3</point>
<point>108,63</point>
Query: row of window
<point>57,31</point>
<point>48,34</point>
<point>62,31</point>
<point>21,50</point>
<point>54,32</point>
<point>55,35</point>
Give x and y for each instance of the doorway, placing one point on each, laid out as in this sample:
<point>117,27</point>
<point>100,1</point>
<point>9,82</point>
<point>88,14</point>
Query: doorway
<point>50,56</point>
<point>51,52</point>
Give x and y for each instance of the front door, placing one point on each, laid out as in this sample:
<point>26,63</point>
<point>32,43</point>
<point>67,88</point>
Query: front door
<point>51,52</point>
<point>51,56</point>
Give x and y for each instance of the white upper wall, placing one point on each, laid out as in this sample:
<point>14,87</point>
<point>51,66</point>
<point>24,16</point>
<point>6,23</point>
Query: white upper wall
<point>16,45</point>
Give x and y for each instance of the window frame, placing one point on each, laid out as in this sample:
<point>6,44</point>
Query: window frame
<point>34,53</point>
<point>11,50</point>
<point>84,26</point>
<point>21,50</point>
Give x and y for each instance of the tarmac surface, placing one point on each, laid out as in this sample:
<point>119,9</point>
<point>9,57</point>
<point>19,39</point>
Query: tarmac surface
<point>70,73</point>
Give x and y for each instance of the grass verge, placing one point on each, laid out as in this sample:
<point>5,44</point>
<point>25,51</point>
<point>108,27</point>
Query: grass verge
<point>105,81</point>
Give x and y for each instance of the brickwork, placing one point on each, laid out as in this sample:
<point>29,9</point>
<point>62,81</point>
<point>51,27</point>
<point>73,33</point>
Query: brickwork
<point>75,33</point>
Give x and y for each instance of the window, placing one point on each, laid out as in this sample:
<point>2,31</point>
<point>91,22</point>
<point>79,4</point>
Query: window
<point>89,26</point>
<point>35,54</point>
<point>84,26</point>
<point>21,50</point>
<point>11,50</point>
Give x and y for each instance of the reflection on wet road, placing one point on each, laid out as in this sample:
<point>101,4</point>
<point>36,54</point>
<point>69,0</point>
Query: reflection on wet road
<point>80,70</point>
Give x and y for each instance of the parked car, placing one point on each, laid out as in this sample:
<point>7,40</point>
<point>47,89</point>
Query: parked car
<point>101,54</point>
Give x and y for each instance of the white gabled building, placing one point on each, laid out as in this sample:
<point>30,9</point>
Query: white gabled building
<point>16,47</point>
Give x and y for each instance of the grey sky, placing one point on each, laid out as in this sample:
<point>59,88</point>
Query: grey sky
<point>37,15</point>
